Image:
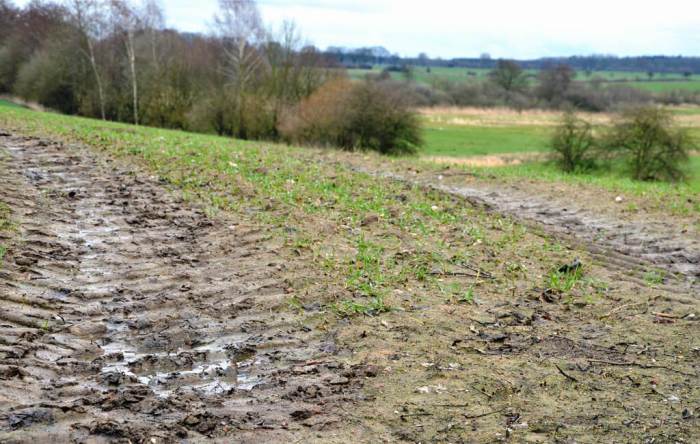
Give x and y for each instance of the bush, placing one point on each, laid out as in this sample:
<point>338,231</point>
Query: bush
<point>378,118</point>
<point>369,115</point>
<point>573,142</point>
<point>318,119</point>
<point>654,148</point>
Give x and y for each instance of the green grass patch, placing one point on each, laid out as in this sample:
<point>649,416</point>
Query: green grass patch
<point>661,87</point>
<point>472,140</point>
<point>8,104</point>
<point>676,198</point>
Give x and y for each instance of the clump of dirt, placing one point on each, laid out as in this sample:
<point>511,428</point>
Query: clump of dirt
<point>129,314</point>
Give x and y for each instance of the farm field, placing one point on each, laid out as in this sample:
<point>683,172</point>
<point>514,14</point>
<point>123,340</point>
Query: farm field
<point>660,82</point>
<point>337,296</point>
<point>465,135</point>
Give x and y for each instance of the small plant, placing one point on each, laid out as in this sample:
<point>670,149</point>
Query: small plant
<point>353,308</point>
<point>295,304</point>
<point>563,282</point>
<point>654,277</point>
<point>468,296</point>
<point>652,145</point>
<point>573,143</point>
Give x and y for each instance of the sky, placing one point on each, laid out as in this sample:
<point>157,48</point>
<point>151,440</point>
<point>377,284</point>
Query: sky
<point>452,28</point>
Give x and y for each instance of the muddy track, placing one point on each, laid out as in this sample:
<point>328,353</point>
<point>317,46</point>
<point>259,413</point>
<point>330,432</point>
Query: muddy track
<point>632,247</point>
<point>127,314</point>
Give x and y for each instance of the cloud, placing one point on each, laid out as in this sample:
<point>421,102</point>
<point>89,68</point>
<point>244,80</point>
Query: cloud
<point>459,28</point>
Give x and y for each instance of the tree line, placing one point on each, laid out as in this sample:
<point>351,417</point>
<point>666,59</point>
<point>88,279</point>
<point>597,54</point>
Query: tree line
<point>116,60</point>
<point>509,84</point>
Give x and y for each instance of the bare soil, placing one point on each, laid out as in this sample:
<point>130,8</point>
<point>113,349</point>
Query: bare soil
<point>129,315</point>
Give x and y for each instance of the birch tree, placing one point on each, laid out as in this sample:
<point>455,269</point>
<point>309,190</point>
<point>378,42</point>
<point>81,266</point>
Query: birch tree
<point>126,23</point>
<point>88,18</point>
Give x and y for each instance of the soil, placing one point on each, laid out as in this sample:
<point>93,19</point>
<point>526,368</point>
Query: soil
<point>130,315</point>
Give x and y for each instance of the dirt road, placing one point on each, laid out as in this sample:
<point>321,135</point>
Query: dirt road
<point>128,314</point>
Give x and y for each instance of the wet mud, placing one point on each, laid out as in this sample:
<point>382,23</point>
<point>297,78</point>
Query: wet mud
<point>129,315</point>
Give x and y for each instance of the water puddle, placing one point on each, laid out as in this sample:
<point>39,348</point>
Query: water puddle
<point>212,369</point>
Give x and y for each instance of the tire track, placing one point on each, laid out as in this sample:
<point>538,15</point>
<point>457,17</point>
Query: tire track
<point>126,314</point>
<point>632,248</point>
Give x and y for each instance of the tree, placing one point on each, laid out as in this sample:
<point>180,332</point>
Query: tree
<point>554,81</point>
<point>573,143</point>
<point>8,18</point>
<point>654,147</point>
<point>90,23</point>
<point>509,76</point>
<point>126,23</point>
<point>240,29</point>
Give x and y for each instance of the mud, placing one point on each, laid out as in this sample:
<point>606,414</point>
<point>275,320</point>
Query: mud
<point>127,314</point>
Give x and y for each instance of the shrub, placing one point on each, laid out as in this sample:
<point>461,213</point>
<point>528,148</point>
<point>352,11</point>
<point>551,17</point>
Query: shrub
<point>653,146</point>
<point>318,119</point>
<point>378,118</point>
<point>573,143</point>
<point>367,115</point>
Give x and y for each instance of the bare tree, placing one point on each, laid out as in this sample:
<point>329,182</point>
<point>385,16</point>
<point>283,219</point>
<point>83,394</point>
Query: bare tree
<point>554,82</point>
<point>509,76</point>
<point>153,23</point>
<point>126,23</point>
<point>89,20</point>
<point>241,30</point>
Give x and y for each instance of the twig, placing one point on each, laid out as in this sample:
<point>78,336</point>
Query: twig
<point>567,376</point>
<point>640,365</point>
<point>484,414</point>
<point>620,308</point>
<point>454,274</point>
<point>665,315</point>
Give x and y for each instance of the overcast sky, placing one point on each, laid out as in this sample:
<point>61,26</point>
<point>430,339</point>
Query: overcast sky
<point>454,28</point>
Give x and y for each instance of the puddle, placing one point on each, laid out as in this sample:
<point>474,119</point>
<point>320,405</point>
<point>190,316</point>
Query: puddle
<point>212,369</point>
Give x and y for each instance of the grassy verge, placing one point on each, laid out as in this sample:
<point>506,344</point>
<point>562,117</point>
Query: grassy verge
<point>680,199</point>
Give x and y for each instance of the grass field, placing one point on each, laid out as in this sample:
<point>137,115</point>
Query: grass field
<point>8,104</point>
<point>473,132</point>
<point>661,82</point>
<point>461,141</point>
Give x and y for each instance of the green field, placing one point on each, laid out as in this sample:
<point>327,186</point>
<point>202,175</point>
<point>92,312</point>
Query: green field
<point>660,87</point>
<point>661,82</point>
<point>461,141</point>
<point>473,140</point>
<point>441,140</point>
<point>8,104</point>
